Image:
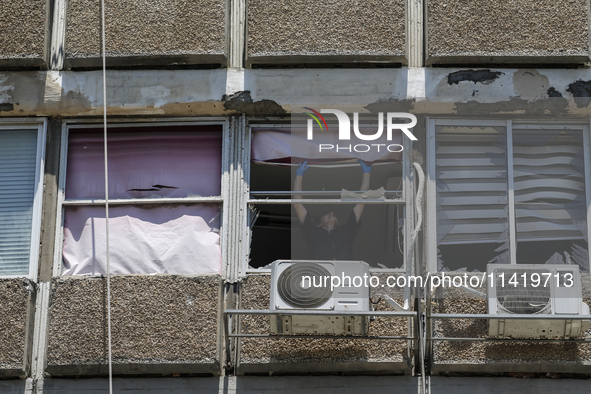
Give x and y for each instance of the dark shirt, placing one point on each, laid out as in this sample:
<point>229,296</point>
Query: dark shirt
<point>336,245</point>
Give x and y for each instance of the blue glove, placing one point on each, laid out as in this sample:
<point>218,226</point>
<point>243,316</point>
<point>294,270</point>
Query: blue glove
<point>302,168</point>
<point>364,167</point>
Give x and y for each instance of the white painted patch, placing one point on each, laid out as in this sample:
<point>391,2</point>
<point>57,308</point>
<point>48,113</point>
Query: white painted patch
<point>234,81</point>
<point>416,84</point>
<point>53,87</point>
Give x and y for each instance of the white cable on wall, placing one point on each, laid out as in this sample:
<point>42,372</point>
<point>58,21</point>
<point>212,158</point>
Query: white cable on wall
<point>106,198</point>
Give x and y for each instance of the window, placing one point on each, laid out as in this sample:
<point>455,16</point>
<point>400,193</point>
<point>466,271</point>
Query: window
<point>22,148</point>
<point>508,192</point>
<point>164,200</point>
<point>275,228</point>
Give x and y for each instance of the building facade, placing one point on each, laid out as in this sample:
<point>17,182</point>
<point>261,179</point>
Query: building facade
<point>195,90</point>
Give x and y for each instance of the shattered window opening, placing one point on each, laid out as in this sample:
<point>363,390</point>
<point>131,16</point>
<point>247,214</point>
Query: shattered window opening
<point>177,169</point>
<point>480,184</point>
<point>275,230</point>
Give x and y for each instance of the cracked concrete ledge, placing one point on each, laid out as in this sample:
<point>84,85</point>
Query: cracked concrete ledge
<point>543,93</point>
<point>314,355</point>
<point>160,324</point>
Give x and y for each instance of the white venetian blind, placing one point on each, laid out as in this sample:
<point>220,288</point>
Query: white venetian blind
<point>18,150</point>
<point>471,178</point>
<point>549,182</point>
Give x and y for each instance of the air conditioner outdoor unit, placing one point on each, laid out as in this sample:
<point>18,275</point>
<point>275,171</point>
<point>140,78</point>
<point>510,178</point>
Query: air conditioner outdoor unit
<point>544,290</point>
<point>296,285</point>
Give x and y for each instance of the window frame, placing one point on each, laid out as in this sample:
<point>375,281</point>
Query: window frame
<point>41,125</point>
<point>407,201</point>
<point>140,123</point>
<point>431,217</point>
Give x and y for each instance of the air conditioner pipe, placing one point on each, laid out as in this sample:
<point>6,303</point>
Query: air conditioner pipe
<point>393,303</point>
<point>413,240</point>
<point>417,229</point>
<point>473,291</point>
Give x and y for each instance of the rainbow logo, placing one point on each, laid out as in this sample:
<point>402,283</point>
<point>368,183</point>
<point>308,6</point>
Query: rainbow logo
<point>315,116</point>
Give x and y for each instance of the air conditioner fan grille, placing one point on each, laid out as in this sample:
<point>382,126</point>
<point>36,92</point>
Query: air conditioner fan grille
<point>291,291</point>
<point>521,296</point>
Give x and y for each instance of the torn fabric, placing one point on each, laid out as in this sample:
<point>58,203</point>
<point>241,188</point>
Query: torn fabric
<point>155,240</point>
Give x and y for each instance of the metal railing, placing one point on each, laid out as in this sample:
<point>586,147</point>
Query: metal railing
<point>450,316</point>
<point>229,328</point>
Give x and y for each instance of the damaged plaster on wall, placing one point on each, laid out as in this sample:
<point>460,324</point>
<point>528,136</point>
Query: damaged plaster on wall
<point>526,92</point>
<point>482,76</point>
<point>581,91</point>
<point>201,92</point>
<point>242,102</point>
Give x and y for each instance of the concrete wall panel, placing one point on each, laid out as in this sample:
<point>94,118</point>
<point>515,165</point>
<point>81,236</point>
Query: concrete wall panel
<point>160,324</point>
<point>489,357</point>
<point>317,355</point>
<point>22,28</point>
<point>15,326</point>
<point>293,31</point>
<point>140,32</point>
<point>505,31</point>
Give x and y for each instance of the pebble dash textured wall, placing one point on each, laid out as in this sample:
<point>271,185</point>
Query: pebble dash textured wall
<point>547,355</point>
<point>255,295</point>
<point>156,319</point>
<point>538,28</point>
<point>146,28</point>
<point>22,28</point>
<point>14,303</point>
<point>331,27</point>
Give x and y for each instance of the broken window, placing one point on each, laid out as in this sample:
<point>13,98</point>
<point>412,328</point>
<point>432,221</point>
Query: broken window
<point>21,188</point>
<point>276,232</point>
<point>509,192</point>
<point>164,201</point>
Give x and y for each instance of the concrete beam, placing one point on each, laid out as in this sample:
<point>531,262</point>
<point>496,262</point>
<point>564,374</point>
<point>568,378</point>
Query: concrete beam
<point>470,92</point>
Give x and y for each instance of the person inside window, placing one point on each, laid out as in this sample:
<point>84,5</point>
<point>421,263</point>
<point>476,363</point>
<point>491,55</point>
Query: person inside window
<point>326,239</point>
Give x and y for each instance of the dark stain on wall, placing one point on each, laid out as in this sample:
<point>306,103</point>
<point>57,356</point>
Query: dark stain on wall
<point>391,105</point>
<point>6,107</point>
<point>555,106</point>
<point>482,76</point>
<point>554,93</point>
<point>242,102</point>
<point>581,91</point>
